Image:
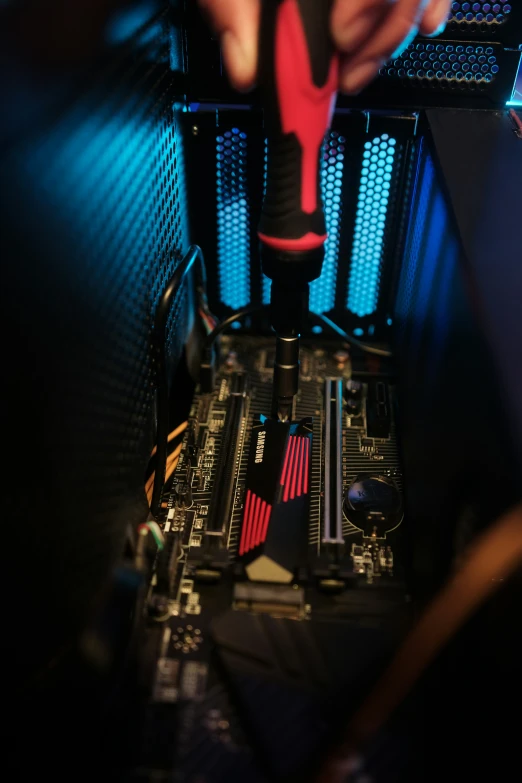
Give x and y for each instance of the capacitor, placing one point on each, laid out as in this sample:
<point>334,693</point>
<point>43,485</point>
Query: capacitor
<point>353,407</point>
<point>341,357</point>
<point>353,390</point>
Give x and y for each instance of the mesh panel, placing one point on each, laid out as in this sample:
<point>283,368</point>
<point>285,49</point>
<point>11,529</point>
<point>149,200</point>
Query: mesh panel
<point>93,224</point>
<point>322,291</point>
<point>378,162</point>
<point>233,249</point>
<point>351,282</point>
<point>459,64</point>
<point>489,14</point>
<point>115,183</point>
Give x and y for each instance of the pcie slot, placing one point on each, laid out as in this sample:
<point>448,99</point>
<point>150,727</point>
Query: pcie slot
<point>221,505</point>
<point>333,465</point>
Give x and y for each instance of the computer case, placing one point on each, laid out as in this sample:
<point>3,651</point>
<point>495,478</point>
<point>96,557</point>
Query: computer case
<point>112,166</point>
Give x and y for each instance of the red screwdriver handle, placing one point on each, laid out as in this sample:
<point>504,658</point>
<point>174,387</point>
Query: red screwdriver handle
<point>298,73</point>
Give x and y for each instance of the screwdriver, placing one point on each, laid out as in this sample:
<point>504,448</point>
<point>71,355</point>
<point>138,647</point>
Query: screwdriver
<point>298,76</point>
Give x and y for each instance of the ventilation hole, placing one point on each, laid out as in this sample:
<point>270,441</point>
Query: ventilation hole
<point>370,223</point>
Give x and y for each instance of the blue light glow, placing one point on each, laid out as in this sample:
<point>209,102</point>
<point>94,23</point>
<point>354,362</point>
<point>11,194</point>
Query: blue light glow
<point>423,190</point>
<point>358,332</point>
<point>108,180</point>
<point>378,162</point>
<point>233,230</point>
<point>126,22</point>
<point>516,96</point>
<point>425,285</point>
<point>431,251</point>
<point>317,329</point>
<point>266,289</point>
<point>322,291</point>
<point>441,321</point>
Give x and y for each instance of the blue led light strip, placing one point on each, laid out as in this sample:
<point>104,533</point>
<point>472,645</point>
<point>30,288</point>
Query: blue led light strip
<point>516,96</point>
<point>322,291</point>
<point>233,233</point>
<point>372,207</point>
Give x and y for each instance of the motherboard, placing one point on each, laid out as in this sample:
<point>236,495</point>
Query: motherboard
<point>279,591</point>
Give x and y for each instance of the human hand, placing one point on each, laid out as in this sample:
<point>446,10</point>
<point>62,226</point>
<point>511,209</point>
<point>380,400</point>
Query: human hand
<point>366,32</point>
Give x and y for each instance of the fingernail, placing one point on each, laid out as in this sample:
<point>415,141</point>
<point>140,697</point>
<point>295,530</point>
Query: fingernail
<point>404,45</point>
<point>354,79</point>
<point>239,61</point>
<point>440,29</point>
<point>351,35</point>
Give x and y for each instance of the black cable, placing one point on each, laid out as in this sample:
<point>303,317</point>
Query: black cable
<point>237,316</point>
<point>159,346</point>
<point>323,319</point>
<point>336,329</point>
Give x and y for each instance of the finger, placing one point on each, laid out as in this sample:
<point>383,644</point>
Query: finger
<point>396,31</point>
<point>435,17</point>
<point>353,79</point>
<point>353,21</point>
<point>237,24</point>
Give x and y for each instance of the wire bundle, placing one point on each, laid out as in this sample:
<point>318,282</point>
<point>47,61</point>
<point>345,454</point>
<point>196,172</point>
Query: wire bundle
<point>153,528</point>
<point>172,460</point>
<point>208,319</point>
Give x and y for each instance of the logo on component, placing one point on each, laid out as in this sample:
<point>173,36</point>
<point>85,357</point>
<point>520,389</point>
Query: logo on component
<point>260,446</point>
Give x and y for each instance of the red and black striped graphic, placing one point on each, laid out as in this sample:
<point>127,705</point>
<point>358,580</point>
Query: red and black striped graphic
<point>255,522</point>
<point>275,517</point>
<point>294,478</point>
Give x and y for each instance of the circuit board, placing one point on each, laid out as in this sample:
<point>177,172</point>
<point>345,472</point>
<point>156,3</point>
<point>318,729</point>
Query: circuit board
<point>240,607</point>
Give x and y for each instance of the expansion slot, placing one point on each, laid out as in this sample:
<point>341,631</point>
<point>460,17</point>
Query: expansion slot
<point>333,465</point>
<point>222,503</point>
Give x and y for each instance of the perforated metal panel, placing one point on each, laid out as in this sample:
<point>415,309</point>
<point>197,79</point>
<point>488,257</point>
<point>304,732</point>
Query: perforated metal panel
<point>93,224</point>
<point>458,64</point>
<point>379,161</point>
<point>363,201</point>
<point>322,291</point>
<point>484,12</point>
<point>233,230</point>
